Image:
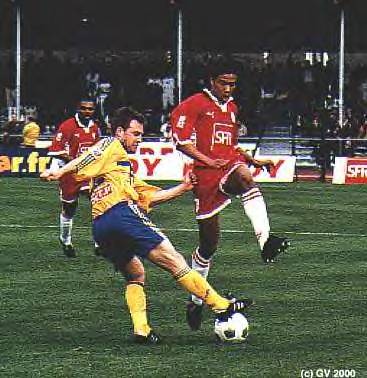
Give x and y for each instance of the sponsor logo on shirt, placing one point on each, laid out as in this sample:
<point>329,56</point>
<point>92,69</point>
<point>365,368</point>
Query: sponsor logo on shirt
<point>102,192</point>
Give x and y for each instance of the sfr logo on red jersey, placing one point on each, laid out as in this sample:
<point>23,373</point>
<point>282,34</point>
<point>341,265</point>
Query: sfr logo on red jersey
<point>222,134</point>
<point>223,137</point>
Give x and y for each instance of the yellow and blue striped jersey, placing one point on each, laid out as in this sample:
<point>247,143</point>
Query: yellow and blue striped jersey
<point>108,167</point>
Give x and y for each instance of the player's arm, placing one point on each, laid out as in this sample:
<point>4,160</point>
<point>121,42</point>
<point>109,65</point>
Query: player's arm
<point>85,166</point>
<point>164,195</point>
<point>255,162</point>
<point>54,175</point>
<point>150,195</point>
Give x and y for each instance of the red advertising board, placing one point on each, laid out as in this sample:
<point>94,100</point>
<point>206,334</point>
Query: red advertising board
<point>356,171</point>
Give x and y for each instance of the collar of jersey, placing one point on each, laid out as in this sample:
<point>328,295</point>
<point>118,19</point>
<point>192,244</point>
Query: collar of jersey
<point>80,124</point>
<point>215,99</point>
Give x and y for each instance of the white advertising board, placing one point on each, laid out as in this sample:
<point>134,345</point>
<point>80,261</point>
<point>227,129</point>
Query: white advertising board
<point>161,161</point>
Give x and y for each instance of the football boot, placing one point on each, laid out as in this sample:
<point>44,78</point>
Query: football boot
<point>236,305</point>
<point>98,251</point>
<point>273,247</point>
<point>68,249</point>
<point>151,339</point>
<point>194,315</point>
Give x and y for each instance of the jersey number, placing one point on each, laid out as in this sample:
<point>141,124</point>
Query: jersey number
<point>181,122</point>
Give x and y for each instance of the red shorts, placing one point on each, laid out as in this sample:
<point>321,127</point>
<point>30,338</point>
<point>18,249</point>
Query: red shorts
<point>210,198</point>
<point>70,188</point>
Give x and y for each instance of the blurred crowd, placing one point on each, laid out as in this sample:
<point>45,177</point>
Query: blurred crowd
<point>297,91</point>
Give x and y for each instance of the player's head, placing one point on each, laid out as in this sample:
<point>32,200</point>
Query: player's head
<point>223,78</point>
<point>86,108</point>
<point>127,125</point>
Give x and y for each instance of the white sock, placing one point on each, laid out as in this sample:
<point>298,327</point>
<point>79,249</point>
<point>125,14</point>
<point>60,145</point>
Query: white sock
<point>66,225</point>
<point>202,266</point>
<point>255,208</point>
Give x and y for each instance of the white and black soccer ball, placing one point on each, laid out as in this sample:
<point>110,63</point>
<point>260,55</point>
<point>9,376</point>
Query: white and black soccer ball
<point>232,329</point>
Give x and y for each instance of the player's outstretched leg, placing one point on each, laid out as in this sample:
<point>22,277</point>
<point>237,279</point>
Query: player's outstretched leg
<point>194,283</point>
<point>166,257</point>
<point>240,182</point>
<point>255,208</point>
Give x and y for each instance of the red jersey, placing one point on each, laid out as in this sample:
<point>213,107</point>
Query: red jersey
<point>212,124</point>
<point>73,137</point>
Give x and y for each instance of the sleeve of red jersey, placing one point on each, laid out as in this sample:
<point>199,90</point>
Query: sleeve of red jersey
<point>58,146</point>
<point>183,121</point>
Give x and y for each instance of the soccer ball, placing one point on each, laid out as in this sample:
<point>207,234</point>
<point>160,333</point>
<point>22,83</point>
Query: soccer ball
<point>232,329</point>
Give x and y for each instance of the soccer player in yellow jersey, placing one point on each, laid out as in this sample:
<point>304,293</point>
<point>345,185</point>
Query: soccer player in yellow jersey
<point>120,202</point>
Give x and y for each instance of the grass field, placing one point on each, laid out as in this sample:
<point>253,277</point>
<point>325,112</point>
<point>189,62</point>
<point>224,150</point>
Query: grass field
<point>67,318</point>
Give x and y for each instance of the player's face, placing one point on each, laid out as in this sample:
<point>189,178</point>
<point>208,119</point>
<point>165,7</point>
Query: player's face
<point>223,86</point>
<point>86,109</point>
<point>132,136</point>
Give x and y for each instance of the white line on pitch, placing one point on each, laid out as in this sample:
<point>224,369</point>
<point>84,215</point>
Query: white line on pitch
<point>195,230</point>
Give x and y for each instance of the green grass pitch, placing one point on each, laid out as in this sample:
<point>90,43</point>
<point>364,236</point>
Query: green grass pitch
<point>67,318</point>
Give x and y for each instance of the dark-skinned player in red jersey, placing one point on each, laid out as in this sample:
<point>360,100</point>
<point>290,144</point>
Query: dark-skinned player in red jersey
<point>205,127</point>
<point>74,136</point>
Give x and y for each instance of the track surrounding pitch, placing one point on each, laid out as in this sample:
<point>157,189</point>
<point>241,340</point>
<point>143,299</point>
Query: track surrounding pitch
<point>67,318</point>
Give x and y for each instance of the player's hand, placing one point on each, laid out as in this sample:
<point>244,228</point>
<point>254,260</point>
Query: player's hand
<point>190,180</point>
<point>49,175</point>
<point>267,164</point>
<point>217,163</point>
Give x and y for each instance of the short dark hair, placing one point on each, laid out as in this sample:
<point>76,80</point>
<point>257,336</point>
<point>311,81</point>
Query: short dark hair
<point>86,99</point>
<point>122,117</point>
<point>221,65</point>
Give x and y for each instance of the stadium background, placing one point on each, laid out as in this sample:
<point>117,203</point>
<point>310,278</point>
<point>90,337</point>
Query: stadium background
<point>67,319</point>
<point>132,48</point>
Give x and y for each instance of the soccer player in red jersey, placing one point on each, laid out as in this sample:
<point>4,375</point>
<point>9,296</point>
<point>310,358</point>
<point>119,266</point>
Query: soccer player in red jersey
<point>205,127</point>
<point>74,136</point>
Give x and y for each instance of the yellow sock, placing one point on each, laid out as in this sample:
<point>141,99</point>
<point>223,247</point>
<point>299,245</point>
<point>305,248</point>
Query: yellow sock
<point>194,283</point>
<point>137,304</point>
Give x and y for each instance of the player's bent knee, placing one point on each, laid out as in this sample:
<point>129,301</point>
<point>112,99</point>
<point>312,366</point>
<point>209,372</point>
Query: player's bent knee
<point>132,270</point>
<point>239,181</point>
